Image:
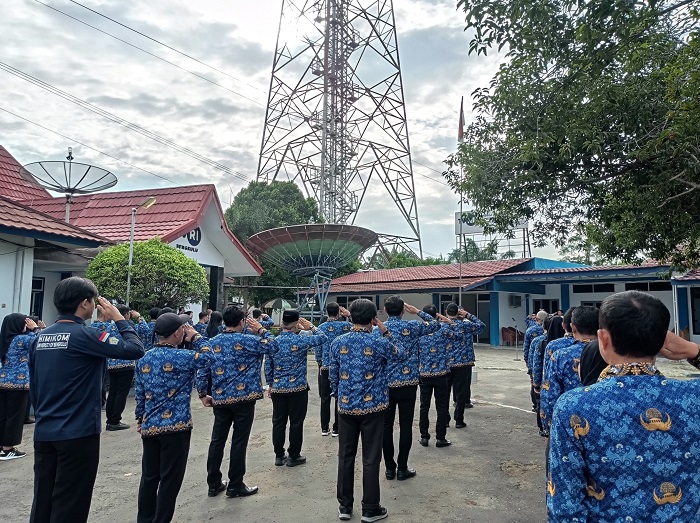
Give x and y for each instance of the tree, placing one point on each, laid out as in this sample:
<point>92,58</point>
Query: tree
<point>410,259</point>
<point>161,275</point>
<point>262,206</point>
<point>472,252</point>
<point>591,126</point>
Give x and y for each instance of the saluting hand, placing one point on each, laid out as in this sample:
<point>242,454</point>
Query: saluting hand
<point>380,325</point>
<point>305,324</point>
<point>444,319</point>
<point>31,325</point>
<point>108,310</point>
<point>344,312</point>
<point>189,331</point>
<point>410,309</point>
<point>253,324</point>
<point>676,348</point>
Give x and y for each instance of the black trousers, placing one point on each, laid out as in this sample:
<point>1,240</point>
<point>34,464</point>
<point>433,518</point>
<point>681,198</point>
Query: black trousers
<point>350,429</point>
<point>324,390</point>
<point>434,385</point>
<point>119,384</point>
<point>240,415</point>
<point>13,407</point>
<point>163,467</point>
<point>290,407</point>
<point>461,383</point>
<point>405,399</point>
<point>64,476</point>
<point>536,397</point>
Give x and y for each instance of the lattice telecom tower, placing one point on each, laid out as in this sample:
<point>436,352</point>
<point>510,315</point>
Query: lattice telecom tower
<point>335,115</point>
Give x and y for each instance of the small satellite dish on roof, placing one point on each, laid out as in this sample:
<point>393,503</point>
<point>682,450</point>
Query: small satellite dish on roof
<point>70,178</point>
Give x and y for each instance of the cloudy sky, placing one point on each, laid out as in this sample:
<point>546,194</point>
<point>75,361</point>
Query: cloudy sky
<point>182,102</point>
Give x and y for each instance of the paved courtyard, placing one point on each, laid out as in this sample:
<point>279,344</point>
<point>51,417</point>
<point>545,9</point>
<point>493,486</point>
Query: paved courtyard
<point>492,473</point>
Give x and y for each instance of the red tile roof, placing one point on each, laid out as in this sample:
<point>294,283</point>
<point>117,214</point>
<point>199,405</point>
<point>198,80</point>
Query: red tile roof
<point>20,219</point>
<point>424,277</point>
<point>14,185</point>
<point>177,211</point>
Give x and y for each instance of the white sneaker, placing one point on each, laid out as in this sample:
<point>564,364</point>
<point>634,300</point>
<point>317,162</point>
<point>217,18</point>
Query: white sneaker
<point>6,455</point>
<point>325,432</point>
<point>334,434</point>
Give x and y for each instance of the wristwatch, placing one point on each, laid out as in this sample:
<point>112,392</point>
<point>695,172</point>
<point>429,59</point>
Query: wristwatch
<point>695,362</point>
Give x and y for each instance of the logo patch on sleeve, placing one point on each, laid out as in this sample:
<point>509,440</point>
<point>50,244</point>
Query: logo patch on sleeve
<point>103,337</point>
<point>113,341</point>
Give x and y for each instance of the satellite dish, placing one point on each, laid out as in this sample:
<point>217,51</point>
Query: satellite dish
<point>70,178</point>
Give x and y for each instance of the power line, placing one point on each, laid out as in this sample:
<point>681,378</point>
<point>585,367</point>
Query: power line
<point>165,45</point>
<point>125,123</point>
<point>151,54</point>
<point>87,146</point>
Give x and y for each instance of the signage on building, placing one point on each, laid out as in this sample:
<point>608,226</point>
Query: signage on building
<point>465,223</point>
<point>193,239</point>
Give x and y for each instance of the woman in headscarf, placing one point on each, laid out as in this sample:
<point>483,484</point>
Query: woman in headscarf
<point>215,324</point>
<point>15,341</point>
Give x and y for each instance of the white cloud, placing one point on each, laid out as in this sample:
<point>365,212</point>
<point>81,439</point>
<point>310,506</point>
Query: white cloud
<point>237,37</point>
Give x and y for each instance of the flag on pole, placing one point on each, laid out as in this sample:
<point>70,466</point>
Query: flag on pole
<point>460,132</point>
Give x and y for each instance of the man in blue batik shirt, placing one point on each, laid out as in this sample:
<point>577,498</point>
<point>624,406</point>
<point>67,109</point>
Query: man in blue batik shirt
<point>285,374</point>
<point>202,324</point>
<point>164,378</point>
<point>626,448</point>
<point>235,387</point>
<point>403,382</point>
<point>357,372</point>
<point>335,325</point>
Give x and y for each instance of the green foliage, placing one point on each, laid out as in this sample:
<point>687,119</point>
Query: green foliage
<point>472,252</point>
<point>161,276</point>
<point>591,126</point>
<point>262,206</point>
<point>410,259</point>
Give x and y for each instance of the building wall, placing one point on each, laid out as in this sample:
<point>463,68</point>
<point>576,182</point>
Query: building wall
<point>16,267</point>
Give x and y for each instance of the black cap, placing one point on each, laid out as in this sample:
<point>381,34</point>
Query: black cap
<point>168,323</point>
<point>290,316</point>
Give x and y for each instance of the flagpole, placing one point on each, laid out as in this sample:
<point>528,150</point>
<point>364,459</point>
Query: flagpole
<point>460,139</point>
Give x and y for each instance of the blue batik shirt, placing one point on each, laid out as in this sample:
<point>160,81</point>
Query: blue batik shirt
<point>235,367</point>
<point>462,354</point>
<point>14,373</point>
<point>530,334</point>
<point>561,343</point>
<point>285,368</point>
<point>434,349</point>
<point>357,371</point>
<point>530,322</point>
<point>535,353</point>
<point>561,376</point>
<point>332,329</point>
<point>268,324</point>
<point>201,328</point>
<point>145,331</point>
<point>626,449</point>
<point>163,391</point>
<point>111,328</point>
<point>406,334</point>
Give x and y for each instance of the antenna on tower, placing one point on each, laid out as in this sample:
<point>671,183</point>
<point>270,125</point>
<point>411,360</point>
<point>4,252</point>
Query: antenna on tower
<point>70,178</point>
<point>335,119</point>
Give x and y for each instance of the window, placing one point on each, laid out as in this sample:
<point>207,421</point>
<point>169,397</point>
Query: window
<point>345,301</point>
<point>598,287</point>
<point>659,286</point>
<point>648,286</point>
<point>36,307</point>
<point>550,306</point>
<point>595,304</point>
<point>582,289</point>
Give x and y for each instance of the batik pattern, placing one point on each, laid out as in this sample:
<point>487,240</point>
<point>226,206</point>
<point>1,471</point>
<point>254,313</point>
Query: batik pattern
<point>285,368</point>
<point>434,350</point>
<point>332,329</point>
<point>14,373</point>
<point>561,376</point>
<point>462,354</point>
<point>406,334</point>
<point>530,334</point>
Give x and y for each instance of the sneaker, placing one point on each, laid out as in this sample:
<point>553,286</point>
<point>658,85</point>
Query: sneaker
<point>325,432</point>
<point>6,455</point>
<point>344,513</point>
<point>334,434</point>
<point>117,426</point>
<point>375,514</point>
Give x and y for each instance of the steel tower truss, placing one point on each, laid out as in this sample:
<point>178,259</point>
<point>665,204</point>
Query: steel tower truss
<point>335,115</point>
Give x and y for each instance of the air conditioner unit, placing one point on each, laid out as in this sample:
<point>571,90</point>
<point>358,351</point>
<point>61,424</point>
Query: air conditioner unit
<point>515,301</point>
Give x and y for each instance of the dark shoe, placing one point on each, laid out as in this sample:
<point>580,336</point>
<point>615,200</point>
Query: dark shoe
<point>334,433</point>
<point>544,433</point>
<point>213,492</point>
<point>390,474</point>
<point>241,491</point>
<point>118,426</point>
<point>375,514</point>
<point>469,406</point>
<point>325,432</point>
<point>424,442</point>
<point>280,460</point>
<point>460,425</point>
<point>534,409</point>
<point>442,443</point>
<point>404,474</point>
<point>297,460</point>
<point>29,421</point>
<point>344,513</point>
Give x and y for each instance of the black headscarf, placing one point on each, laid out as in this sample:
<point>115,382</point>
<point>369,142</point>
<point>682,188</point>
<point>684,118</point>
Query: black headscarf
<point>555,331</point>
<point>12,325</point>
<point>214,322</point>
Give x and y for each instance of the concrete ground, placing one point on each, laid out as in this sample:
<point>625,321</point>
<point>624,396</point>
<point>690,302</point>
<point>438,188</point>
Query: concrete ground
<point>492,473</point>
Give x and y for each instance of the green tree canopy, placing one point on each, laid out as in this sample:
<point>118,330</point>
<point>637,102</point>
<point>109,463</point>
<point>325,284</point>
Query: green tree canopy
<point>161,275</point>
<point>591,127</point>
<point>262,206</point>
<point>472,252</point>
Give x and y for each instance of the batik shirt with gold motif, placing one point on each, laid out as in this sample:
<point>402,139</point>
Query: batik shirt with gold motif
<point>163,390</point>
<point>285,368</point>
<point>561,376</point>
<point>14,373</point>
<point>235,367</point>
<point>406,334</point>
<point>462,353</point>
<point>626,449</point>
<point>435,348</point>
<point>535,352</point>
<point>332,329</point>
<point>530,334</point>
<point>357,371</point>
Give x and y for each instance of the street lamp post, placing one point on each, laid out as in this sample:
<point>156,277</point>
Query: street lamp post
<point>148,202</point>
